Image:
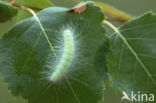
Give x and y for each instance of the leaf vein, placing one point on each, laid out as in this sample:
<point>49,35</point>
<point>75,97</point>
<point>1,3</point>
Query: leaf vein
<point>136,27</point>
<point>132,50</point>
<point>43,30</point>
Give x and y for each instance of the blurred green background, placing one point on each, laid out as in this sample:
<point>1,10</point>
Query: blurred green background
<point>133,7</point>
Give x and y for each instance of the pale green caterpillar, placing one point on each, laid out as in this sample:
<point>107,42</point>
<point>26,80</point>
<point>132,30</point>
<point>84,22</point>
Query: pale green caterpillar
<point>67,57</point>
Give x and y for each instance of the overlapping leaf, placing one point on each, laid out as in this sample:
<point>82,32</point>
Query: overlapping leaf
<point>132,60</point>
<point>40,4</point>
<point>37,5</point>
<point>6,11</point>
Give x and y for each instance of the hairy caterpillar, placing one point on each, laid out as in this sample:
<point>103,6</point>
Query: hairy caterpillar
<point>67,56</point>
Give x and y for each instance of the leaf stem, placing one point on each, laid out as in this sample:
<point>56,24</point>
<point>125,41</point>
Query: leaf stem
<point>116,15</point>
<point>22,7</point>
<point>130,48</point>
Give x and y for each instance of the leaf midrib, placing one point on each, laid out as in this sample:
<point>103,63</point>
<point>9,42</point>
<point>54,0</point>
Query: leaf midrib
<point>131,49</point>
<point>43,30</point>
<point>136,27</point>
<point>136,56</point>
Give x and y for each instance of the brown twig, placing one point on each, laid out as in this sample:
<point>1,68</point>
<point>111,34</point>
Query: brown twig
<point>21,6</point>
<point>119,20</point>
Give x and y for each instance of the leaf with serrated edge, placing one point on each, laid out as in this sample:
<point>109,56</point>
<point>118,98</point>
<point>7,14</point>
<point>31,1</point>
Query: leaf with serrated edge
<point>132,60</point>
<point>27,57</point>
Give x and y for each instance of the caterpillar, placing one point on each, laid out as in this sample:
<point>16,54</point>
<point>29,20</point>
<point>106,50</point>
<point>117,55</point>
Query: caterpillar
<point>67,56</point>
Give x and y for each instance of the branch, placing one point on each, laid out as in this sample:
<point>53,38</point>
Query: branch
<point>21,6</point>
<point>116,15</point>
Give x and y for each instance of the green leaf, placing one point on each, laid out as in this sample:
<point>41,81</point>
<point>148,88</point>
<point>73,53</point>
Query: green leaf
<point>34,50</point>
<point>6,11</point>
<point>132,61</point>
<point>40,4</point>
<point>101,60</point>
<point>66,3</point>
<point>37,5</point>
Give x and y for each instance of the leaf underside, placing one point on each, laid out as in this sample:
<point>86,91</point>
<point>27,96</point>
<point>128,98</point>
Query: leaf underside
<point>26,57</point>
<point>132,67</point>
